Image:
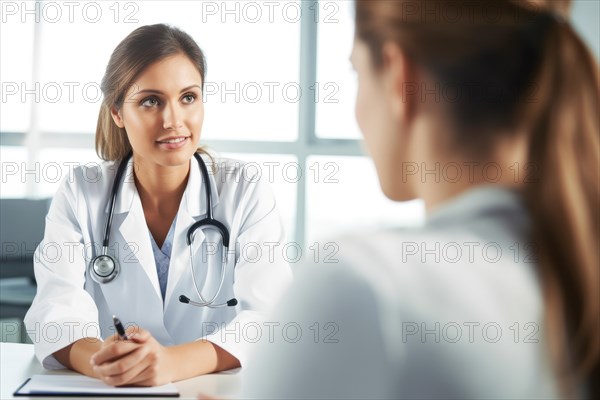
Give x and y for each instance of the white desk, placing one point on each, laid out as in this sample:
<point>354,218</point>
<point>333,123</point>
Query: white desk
<point>19,363</point>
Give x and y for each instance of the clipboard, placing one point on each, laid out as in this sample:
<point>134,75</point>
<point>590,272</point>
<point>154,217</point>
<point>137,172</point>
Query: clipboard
<point>81,385</point>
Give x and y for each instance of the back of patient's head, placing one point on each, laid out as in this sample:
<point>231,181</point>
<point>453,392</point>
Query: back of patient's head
<point>546,86</point>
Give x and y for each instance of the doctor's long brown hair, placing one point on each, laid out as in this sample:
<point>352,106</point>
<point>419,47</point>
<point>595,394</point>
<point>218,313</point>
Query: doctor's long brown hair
<point>141,48</point>
<point>548,87</point>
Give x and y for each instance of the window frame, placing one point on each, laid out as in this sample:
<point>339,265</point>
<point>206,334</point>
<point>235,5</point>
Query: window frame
<point>306,144</point>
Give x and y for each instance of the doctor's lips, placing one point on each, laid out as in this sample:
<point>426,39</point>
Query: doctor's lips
<point>173,142</point>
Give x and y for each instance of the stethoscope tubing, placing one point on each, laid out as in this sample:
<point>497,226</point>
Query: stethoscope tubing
<point>209,221</point>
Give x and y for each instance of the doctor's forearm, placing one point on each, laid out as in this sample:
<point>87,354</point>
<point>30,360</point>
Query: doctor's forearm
<point>199,358</point>
<point>76,356</point>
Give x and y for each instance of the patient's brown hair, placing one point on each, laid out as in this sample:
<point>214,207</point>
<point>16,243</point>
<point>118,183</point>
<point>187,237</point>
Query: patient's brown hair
<point>550,89</point>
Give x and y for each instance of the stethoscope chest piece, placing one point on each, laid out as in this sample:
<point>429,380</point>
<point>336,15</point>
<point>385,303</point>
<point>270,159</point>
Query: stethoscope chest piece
<point>104,268</point>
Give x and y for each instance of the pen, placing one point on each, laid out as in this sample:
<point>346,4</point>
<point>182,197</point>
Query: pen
<point>119,327</point>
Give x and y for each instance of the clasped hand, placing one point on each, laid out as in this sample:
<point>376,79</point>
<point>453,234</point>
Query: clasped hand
<point>139,360</point>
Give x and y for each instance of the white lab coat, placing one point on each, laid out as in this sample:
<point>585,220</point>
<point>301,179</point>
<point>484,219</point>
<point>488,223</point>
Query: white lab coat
<point>69,305</point>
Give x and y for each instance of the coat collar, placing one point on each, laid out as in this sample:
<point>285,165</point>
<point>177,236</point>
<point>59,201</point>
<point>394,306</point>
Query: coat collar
<point>194,196</point>
<point>478,201</point>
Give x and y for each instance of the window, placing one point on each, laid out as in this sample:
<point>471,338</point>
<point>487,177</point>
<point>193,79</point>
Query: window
<point>335,90</point>
<point>279,89</point>
<point>251,89</point>
<point>16,72</point>
<point>343,193</point>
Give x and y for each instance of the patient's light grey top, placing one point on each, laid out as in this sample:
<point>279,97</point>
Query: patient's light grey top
<point>451,310</point>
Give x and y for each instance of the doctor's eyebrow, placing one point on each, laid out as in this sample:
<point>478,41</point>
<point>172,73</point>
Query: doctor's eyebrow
<point>154,91</point>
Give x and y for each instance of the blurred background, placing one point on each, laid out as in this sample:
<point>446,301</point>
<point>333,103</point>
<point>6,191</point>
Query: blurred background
<point>279,93</point>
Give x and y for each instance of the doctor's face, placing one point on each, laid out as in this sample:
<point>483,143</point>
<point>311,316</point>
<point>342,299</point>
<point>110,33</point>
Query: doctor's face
<point>163,112</point>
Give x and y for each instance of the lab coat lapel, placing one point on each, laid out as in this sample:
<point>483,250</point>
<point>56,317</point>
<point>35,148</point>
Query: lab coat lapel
<point>192,209</point>
<point>134,229</point>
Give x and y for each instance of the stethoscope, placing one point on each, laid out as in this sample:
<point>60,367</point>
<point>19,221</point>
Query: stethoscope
<point>104,268</point>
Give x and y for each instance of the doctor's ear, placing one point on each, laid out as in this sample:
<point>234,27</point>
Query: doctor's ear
<point>117,117</point>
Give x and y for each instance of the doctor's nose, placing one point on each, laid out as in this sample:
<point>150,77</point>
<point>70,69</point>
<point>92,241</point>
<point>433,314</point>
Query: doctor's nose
<point>172,118</point>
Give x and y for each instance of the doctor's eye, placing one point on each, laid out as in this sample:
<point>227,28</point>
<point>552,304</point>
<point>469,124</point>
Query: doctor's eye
<point>189,98</point>
<point>149,102</point>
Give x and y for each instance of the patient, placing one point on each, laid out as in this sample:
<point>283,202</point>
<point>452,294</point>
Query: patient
<point>488,111</point>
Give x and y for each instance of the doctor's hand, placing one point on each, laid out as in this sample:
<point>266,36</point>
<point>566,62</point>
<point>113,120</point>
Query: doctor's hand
<point>140,360</point>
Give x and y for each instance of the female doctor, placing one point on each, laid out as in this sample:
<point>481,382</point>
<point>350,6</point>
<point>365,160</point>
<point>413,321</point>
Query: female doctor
<point>151,237</point>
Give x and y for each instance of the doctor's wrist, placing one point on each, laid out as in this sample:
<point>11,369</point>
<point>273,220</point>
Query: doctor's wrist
<point>77,355</point>
<point>171,364</point>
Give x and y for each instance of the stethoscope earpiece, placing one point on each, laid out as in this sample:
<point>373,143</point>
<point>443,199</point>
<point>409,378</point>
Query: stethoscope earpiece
<point>186,300</point>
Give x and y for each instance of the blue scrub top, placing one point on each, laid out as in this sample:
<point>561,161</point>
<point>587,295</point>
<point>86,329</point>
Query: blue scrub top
<point>162,257</point>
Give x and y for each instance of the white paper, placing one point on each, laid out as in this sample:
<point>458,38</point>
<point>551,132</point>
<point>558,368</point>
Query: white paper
<point>82,384</point>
